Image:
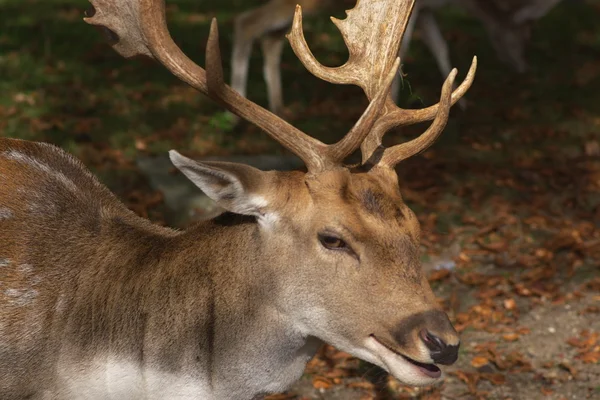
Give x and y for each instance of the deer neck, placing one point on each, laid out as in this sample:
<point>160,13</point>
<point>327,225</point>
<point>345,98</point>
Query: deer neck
<point>202,308</point>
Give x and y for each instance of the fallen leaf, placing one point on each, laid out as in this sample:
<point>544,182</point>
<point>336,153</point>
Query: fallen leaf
<point>546,391</point>
<point>496,379</point>
<point>439,275</point>
<point>478,362</point>
<point>510,304</point>
<point>511,337</point>
<point>361,385</point>
<point>320,382</point>
<point>568,367</point>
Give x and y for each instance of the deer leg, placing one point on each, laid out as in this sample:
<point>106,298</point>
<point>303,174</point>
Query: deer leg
<point>432,36</point>
<point>534,11</point>
<point>272,46</point>
<point>404,46</point>
<point>258,23</point>
<point>240,58</point>
<point>506,37</point>
<point>434,40</point>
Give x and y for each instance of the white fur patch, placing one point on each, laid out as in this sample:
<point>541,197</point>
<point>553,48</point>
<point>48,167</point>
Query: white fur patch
<point>60,305</point>
<point>6,213</point>
<point>396,365</point>
<point>265,219</point>
<point>25,159</point>
<point>25,269</point>
<point>257,201</point>
<point>269,219</point>
<point>112,379</point>
<point>21,297</point>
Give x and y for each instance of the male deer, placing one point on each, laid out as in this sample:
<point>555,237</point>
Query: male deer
<point>508,23</point>
<point>98,303</point>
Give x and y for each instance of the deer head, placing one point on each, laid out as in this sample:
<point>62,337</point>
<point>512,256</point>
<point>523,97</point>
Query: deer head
<point>340,243</point>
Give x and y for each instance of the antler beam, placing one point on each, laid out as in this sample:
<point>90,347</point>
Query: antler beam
<point>372,31</point>
<point>142,30</point>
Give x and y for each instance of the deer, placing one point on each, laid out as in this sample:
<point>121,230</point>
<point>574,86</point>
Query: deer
<point>507,22</point>
<point>99,303</point>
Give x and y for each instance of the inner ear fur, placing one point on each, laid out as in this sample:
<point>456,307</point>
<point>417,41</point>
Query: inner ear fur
<point>238,188</point>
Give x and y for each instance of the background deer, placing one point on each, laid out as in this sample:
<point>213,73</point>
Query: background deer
<point>508,23</point>
<point>98,303</point>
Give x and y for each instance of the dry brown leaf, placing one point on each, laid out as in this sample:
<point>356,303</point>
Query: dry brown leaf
<point>439,275</point>
<point>511,337</point>
<point>496,379</point>
<point>592,357</point>
<point>337,373</point>
<point>320,382</point>
<point>568,367</point>
<point>478,362</point>
<point>546,391</point>
<point>510,304</point>
<point>361,385</point>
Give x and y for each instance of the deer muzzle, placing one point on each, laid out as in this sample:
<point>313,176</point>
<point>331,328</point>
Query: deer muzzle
<point>413,351</point>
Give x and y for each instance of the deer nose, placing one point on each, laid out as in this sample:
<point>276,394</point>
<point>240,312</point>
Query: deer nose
<point>440,351</point>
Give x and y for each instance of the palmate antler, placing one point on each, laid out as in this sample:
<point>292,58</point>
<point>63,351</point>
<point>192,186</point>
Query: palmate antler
<point>372,31</point>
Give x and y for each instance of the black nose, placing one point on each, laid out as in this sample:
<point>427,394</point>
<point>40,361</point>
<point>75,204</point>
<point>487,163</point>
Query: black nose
<point>440,351</point>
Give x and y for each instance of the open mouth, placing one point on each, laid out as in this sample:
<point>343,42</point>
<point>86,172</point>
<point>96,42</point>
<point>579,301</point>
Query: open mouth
<point>431,370</point>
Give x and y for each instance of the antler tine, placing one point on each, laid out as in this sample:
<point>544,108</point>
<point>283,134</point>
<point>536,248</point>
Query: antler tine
<point>372,32</point>
<point>393,155</point>
<point>353,139</point>
<point>396,116</point>
<point>341,75</point>
<point>214,65</point>
<point>141,28</point>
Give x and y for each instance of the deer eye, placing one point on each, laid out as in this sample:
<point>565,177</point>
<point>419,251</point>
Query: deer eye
<point>332,242</point>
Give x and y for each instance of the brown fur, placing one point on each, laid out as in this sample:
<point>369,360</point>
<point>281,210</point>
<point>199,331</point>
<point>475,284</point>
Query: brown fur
<point>109,282</point>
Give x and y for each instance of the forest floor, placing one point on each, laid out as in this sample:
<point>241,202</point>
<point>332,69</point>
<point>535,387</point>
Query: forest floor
<point>508,199</point>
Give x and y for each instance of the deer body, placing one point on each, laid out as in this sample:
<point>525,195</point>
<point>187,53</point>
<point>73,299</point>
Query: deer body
<point>97,303</point>
<point>94,314</point>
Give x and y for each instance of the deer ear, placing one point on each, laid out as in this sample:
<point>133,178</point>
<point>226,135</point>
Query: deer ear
<point>235,187</point>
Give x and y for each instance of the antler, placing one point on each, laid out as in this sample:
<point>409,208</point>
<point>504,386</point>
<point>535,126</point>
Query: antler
<point>372,32</point>
<point>141,28</point>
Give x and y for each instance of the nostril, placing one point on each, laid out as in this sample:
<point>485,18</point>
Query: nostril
<point>432,342</point>
<point>440,351</point>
